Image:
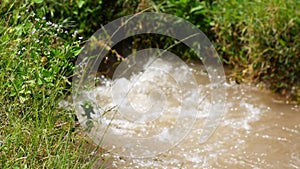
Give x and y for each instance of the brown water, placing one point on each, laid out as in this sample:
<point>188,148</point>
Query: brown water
<point>256,131</point>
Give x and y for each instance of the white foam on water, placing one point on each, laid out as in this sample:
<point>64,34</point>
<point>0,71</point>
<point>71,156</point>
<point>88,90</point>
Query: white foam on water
<point>233,145</point>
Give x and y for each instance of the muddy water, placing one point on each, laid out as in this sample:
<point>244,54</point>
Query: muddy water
<point>256,131</point>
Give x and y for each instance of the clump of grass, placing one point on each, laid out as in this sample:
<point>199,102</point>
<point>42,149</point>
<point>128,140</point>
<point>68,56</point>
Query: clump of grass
<point>196,12</point>
<point>260,40</point>
<point>87,16</point>
<point>35,64</point>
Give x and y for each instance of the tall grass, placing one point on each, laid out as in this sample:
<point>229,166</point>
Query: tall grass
<point>261,40</point>
<point>35,64</point>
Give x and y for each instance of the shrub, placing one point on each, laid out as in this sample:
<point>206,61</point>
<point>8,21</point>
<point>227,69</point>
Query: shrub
<point>260,40</point>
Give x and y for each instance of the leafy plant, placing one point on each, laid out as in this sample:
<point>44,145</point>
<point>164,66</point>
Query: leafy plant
<point>36,60</point>
<point>260,40</point>
<point>197,12</point>
<point>86,16</point>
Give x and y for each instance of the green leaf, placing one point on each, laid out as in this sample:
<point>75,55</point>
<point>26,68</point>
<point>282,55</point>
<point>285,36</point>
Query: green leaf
<point>80,3</point>
<point>38,1</point>
<point>39,82</point>
<point>282,42</point>
<point>13,93</point>
<point>197,8</point>
<point>76,52</point>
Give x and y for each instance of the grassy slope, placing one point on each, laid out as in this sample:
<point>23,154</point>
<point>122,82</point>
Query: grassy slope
<point>34,67</point>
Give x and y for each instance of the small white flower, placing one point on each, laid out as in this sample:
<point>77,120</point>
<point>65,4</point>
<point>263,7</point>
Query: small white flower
<point>48,23</point>
<point>44,18</point>
<point>19,52</point>
<point>66,31</point>
<point>80,37</point>
<point>60,26</point>
<point>33,31</point>
<point>55,25</point>
<point>19,16</point>
<point>23,48</point>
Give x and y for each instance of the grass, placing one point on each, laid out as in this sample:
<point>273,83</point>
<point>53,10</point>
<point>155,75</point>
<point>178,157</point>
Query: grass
<point>35,68</point>
<point>260,41</point>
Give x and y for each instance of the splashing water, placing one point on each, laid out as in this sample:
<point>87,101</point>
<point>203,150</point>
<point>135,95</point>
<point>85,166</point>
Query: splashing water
<point>254,133</point>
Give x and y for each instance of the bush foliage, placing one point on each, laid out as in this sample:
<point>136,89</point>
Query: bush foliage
<point>261,41</point>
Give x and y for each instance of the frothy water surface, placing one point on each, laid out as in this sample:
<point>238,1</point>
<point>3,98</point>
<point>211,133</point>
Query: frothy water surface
<point>255,132</point>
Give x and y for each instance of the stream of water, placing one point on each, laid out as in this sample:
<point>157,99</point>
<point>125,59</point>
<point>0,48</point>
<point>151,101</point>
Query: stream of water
<point>255,132</point>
